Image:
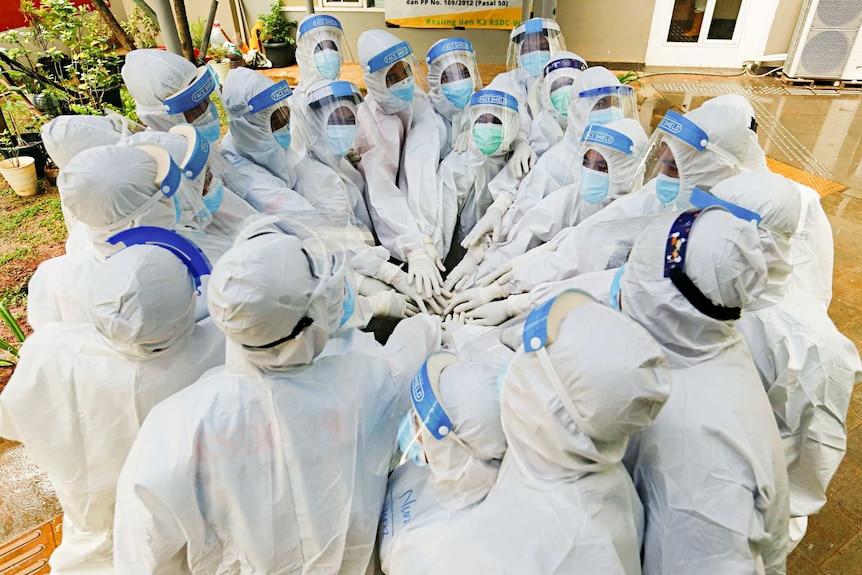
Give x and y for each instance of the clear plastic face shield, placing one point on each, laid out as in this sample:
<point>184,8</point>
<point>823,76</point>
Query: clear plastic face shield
<point>429,413</point>
<point>321,38</point>
<point>532,44</point>
<point>558,77</point>
<point>196,105</point>
<point>274,100</point>
<point>400,70</point>
<point>201,165</point>
<point>609,104</point>
<point>453,71</point>
<point>494,121</point>
<point>598,144</point>
<point>333,108</point>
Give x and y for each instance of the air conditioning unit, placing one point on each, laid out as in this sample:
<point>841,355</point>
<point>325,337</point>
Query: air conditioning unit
<point>827,43</point>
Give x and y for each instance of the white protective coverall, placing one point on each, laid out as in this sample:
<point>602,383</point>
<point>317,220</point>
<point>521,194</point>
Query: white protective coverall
<point>549,100</point>
<point>710,471</point>
<point>620,143</point>
<point>563,503</point>
<point>399,142</point>
<point>806,366</point>
<point>812,248</point>
<point>561,165</point>
<point>97,382</point>
<point>269,169</point>
<point>725,128</point>
<point>152,76</point>
<point>65,137</point>
<point>276,463</point>
<point>424,503</point>
<point>109,189</point>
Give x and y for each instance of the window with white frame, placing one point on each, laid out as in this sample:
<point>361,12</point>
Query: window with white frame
<point>351,4</point>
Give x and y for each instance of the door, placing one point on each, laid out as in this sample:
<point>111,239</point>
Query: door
<point>709,33</point>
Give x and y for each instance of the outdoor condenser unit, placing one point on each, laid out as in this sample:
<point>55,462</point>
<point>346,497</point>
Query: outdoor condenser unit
<point>827,43</point>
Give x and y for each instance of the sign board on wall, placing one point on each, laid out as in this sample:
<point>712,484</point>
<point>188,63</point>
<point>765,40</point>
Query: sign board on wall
<point>485,14</point>
<point>11,17</point>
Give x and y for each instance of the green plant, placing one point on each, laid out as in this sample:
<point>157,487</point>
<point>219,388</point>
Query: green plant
<point>141,28</point>
<point>275,28</point>
<point>629,78</point>
<point>196,29</point>
<point>217,53</point>
<point>11,348</point>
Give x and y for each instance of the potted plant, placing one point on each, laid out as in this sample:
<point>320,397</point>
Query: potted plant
<point>278,43</point>
<point>219,62</point>
<point>16,142</point>
<point>18,171</point>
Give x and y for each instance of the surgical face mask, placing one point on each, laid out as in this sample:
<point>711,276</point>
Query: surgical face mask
<point>488,137</point>
<point>328,63</point>
<point>340,138</point>
<point>282,136</point>
<point>214,196</point>
<point>347,304</point>
<point>606,116</point>
<point>404,89</point>
<point>534,62</point>
<point>560,100</point>
<point>594,185</point>
<point>666,188</point>
<point>208,124</point>
<point>615,288</point>
<point>178,212</point>
<point>408,440</point>
<point>458,93</point>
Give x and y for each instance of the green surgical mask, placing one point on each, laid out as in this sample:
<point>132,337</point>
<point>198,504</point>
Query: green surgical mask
<point>560,99</point>
<point>488,137</point>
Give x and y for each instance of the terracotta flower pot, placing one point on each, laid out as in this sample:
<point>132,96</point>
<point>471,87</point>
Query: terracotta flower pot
<point>20,173</point>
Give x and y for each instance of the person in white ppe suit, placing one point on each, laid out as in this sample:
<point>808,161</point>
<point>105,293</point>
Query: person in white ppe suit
<point>597,98</point>
<point>445,475</point>
<point>812,246</point>
<point>319,46</point>
<point>453,77</point>
<point>67,136</point>
<point>710,470</point>
<point>109,189</point>
<point>806,366</point>
<point>399,142</point>
<point>98,381</point>
<point>326,129</point>
<point>277,461</point>
<point>701,148</point>
<point>258,142</point>
<point>169,90</point>
<point>584,380</point>
<point>549,100</point>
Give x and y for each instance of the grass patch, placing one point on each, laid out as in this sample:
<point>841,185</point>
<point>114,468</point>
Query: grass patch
<point>18,253</point>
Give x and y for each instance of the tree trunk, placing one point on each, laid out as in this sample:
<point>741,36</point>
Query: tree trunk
<point>115,27</point>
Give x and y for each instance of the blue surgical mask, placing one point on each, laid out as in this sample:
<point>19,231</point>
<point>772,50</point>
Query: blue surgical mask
<point>606,116</point>
<point>214,196</point>
<point>407,439</point>
<point>282,136</point>
<point>347,304</point>
<point>404,89</point>
<point>178,212</point>
<point>534,62</point>
<point>208,124</point>
<point>458,93</point>
<point>615,288</point>
<point>594,185</point>
<point>340,138</point>
<point>666,188</point>
<point>328,63</point>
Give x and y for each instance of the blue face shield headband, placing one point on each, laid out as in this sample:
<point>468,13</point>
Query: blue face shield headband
<point>194,94</point>
<point>269,97</point>
<point>494,98</point>
<point>680,127</point>
<point>318,21</point>
<point>198,151</point>
<point>448,46</point>
<point>564,63</point>
<point>388,57</point>
<point>608,138</point>
<point>190,254</point>
<point>702,199</point>
<point>674,269</point>
<point>541,329</point>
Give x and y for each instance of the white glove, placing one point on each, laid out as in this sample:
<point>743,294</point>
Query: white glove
<point>369,286</point>
<point>462,273</point>
<point>392,304</point>
<point>431,248</point>
<point>506,272</point>
<point>462,142</point>
<point>394,276</point>
<point>423,274</point>
<point>475,297</point>
<point>496,312</point>
<point>523,158</point>
<point>490,222</point>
